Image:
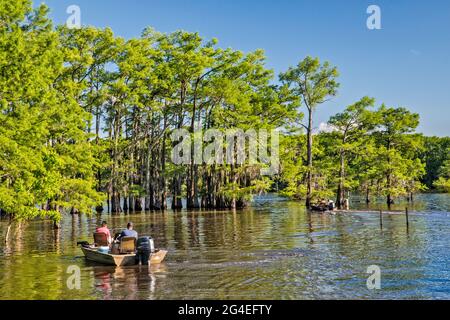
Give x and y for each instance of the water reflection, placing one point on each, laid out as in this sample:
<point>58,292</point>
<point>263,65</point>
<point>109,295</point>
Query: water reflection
<point>275,250</point>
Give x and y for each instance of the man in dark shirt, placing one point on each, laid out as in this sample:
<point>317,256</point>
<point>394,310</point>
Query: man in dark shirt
<point>128,232</point>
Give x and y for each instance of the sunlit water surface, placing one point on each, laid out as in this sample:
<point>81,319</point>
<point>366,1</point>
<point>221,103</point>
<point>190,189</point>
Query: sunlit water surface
<point>274,250</point>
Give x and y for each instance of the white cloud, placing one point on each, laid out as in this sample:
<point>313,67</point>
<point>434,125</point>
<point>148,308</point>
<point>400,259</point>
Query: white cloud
<point>325,127</point>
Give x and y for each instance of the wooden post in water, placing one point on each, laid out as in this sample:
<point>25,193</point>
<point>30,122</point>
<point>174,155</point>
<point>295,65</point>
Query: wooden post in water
<point>381,219</point>
<point>9,229</point>
<point>407,218</point>
<point>7,233</point>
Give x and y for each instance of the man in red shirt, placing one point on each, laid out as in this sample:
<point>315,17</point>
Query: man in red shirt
<point>104,229</point>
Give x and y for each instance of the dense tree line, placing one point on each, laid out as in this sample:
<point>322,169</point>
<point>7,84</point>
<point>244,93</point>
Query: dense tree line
<point>46,158</point>
<point>87,121</point>
<point>373,152</point>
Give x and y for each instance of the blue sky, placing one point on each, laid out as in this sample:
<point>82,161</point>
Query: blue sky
<point>406,63</point>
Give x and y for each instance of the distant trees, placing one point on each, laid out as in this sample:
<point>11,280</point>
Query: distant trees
<point>398,165</point>
<point>371,151</point>
<point>443,183</point>
<point>139,91</point>
<point>350,128</point>
<point>314,83</point>
<point>435,153</point>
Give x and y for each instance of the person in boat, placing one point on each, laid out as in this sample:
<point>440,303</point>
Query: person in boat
<point>323,205</point>
<point>128,232</point>
<point>104,229</point>
<point>331,205</point>
<point>346,204</point>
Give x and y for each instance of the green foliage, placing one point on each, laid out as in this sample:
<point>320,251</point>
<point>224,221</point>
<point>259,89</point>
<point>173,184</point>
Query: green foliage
<point>293,169</point>
<point>85,113</point>
<point>443,183</point>
<point>312,81</point>
<point>374,152</point>
<point>434,155</point>
<point>398,151</point>
<point>312,84</point>
<point>45,159</point>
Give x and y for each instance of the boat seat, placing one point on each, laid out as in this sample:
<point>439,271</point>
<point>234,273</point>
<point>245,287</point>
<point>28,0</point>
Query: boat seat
<point>100,239</point>
<point>127,245</point>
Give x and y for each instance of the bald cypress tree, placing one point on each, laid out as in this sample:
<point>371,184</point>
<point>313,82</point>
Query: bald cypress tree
<point>46,160</point>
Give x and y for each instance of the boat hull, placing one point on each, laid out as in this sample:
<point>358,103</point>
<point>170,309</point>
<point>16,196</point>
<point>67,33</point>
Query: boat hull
<point>319,209</point>
<point>92,254</point>
<point>158,257</point>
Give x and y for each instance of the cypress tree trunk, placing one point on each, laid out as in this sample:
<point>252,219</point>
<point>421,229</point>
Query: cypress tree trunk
<point>146,198</point>
<point>163,170</point>
<point>115,196</point>
<point>192,191</point>
<point>137,204</point>
<point>340,190</point>
<point>367,194</point>
<point>9,228</point>
<point>148,205</point>
<point>115,203</point>
<point>99,208</point>
<point>309,161</point>
<point>151,180</point>
<point>177,203</point>
<point>389,199</point>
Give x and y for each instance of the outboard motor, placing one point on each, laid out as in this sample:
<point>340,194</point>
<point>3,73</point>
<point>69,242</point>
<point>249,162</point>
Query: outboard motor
<point>331,206</point>
<point>145,247</point>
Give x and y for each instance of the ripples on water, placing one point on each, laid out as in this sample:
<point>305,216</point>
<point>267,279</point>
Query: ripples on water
<point>275,250</point>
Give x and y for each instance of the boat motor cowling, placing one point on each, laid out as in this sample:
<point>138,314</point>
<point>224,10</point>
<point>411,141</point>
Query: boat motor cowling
<point>145,244</point>
<point>145,247</point>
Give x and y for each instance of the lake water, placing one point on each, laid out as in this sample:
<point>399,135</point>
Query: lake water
<point>274,250</point>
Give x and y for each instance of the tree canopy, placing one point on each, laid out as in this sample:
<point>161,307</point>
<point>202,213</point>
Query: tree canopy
<point>87,120</point>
